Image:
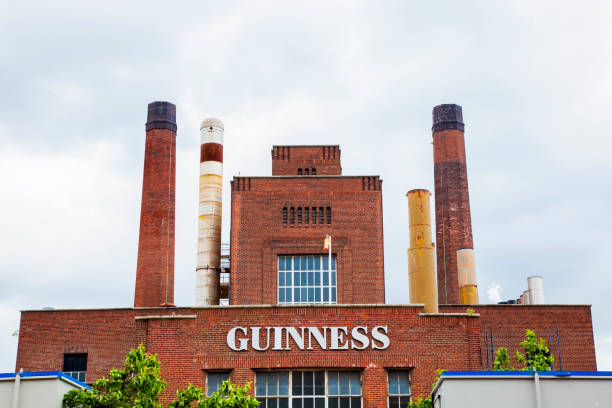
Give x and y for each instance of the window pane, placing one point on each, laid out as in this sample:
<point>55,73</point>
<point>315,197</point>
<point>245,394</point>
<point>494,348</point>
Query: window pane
<point>333,297</point>
<point>304,279</point>
<point>296,278</point>
<point>325,294</point>
<point>281,296</point>
<point>393,383</point>
<point>319,402</point>
<point>311,263</point>
<point>318,295</point>
<point>304,295</point>
<point>332,403</point>
<point>345,402</point>
<point>297,402</point>
<point>296,295</point>
<point>325,278</point>
<point>308,383</point>
<point>308,403</point>
<point>393,402</point>
<point>356,402</point>
<point>262,403</point>
<point>288,295</point>
<point>317,276</point>
<point>310,278</point>
<point>319,380</point>
<point>281,263</point>
<point>281,279</point>
<point>283,383</point>
<point>404,401</point>
<point>272,382</point>
<point>311,295</point>
<point>404,383</point>
<point>317,264</point>
<point>332,378</point>
<point>344,383</point>
<point>271,402</point>
<point>333,274</point>
<point>297,383</point>
<point>355,384</point>
<point>287,278</point>
<point>333,262</point>
<point>283,403</point>
<point>261,384</point>
<point>303,263</point>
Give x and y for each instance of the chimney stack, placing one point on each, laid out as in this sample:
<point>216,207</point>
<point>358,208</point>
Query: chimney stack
<point>453,221</point>
<point>421,271</point>
<point>155,269</point>
<point>209,222</point>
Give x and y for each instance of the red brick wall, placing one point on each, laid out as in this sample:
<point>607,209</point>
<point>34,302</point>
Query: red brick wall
<point>258,234</point>
<point>156,242</point>
<point>286,160</point>
<point>453,221</point>
<point>508,324</point>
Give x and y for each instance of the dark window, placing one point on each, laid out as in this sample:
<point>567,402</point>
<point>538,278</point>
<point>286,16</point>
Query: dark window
<point>299,215</point>
<point>321,215</point>
<point>399,388</point>
<point>292,219</point>
<point>284,215</point>
<point>214,381</point>
<point>328,215</point>
<point>306,171</point>
<point>272,389</point>
<point>314,171</point>
<point>75,365</point>
<point>299,172</point>
<point>314,215</point>
<point>306,215</point>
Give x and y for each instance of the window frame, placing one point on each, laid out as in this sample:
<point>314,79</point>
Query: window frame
<point>398,395</point>
<point>313,283</point>
<point>215,372</point>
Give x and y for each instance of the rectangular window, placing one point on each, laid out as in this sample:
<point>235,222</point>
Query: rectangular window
<point>75,365</point>
<point>314,215</point>
<point>314,172</point>
<point>399,388</point>
<point>292,220</point>
<point>306,215</point>
<point>214,381</point>
<point>308,389</point>
<point>299,172</point>
<point>299,211</point>
<point>284,215</point>
<point>306,279</point>
<point>306,171</point>
<point>321,215</point>
<point>328,212</point>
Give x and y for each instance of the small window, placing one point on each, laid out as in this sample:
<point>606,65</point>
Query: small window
<point>272,389</point>
<point>292,220</point>
<point>299,172</point>
<point>314,215</point>
<point>75,365</point>
<point>306,171</point>
<point>399,388</point>
<point>214,381</point>
<point>328,212</point>
<point>321,215</point>
<point>344,389</point>
<point>306,215</point>
<point>299,211</point>
<point>314,171</point>
<point>284,215</point>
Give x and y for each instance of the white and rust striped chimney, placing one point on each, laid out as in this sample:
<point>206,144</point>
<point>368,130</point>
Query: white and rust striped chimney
<point>209,222</point>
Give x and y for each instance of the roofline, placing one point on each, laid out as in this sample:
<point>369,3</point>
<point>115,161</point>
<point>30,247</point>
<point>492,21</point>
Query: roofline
<point>311,145</point>
<point>311,176</point>
<point>32,375</point>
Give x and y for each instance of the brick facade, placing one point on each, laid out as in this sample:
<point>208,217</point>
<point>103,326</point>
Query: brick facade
<point>190,341</point>
<point>293,160</point>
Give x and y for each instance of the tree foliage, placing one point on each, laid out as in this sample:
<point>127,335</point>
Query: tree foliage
<point>502,360</point>
<point>426,402</point>
<point>139,385</point>
<point>537,356</point>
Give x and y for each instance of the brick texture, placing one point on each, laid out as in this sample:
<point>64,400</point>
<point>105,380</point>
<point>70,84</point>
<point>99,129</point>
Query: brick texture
<point>188,347</point>
<point>258,234</point>
<point>155,267</point>
<point>453,220</point>
<point>286,160</point>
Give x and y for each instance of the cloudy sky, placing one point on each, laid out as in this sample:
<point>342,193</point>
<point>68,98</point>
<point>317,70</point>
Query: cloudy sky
<point>534,80</point>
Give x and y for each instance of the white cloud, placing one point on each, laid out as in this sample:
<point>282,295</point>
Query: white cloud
<point>494,291</point>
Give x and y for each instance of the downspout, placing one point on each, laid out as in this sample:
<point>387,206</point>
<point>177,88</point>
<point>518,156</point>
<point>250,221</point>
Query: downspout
<point>16,389</point>
<point>536,379</point>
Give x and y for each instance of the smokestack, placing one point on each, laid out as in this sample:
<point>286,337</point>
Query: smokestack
<point>468,290</point>
<point>155,269</point>
<point>421,272</point>
<point>453,221</point>
<point>535,285</point>
<point>209,231</point>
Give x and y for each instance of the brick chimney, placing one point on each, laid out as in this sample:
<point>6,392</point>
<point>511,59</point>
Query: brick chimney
<point>453,221</point>
<point>155,270</point>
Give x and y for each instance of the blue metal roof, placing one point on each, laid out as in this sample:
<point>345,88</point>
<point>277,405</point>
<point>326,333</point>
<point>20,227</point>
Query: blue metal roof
<point>46,374</point>
<point>527,373</point>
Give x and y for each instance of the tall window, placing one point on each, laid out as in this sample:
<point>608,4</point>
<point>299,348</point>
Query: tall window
<point>306,279</point>
<point>309,389</point>
<point>214,381</point>
<point>399,388</point>
<point>75,365</point>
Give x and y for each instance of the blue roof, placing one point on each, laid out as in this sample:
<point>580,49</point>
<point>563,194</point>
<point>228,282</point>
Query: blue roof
<point>48,374</point>
<point>527,373</point>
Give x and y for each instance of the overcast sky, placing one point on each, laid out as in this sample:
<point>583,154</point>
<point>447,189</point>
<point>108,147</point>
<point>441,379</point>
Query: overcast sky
<point>534,79</point>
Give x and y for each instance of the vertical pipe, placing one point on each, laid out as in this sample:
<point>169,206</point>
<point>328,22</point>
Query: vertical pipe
<point>453,219</point>
<point>552,366</point>
<point>466,270</point>
<point>487,348</point>
<point>421,270</point>
<point>16,390</point>
<point>559,349</point>
<point>491,340</point>
<point>209,215</point>
<point>155,268</point>
<point>536,379</point>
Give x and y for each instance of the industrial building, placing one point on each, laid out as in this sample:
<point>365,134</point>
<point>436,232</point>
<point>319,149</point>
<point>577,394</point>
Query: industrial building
<point>304,317</point>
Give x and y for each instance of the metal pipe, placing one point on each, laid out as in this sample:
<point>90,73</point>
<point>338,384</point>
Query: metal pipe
<point>16,387</point>
<point>559,349</point>
<point>209,215</point>
<point>536,379</point>
<point>421,269</point>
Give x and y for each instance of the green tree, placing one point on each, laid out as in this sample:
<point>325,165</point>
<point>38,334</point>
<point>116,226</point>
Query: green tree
<point>502,360</point>
<point>537,356</point>
<point>426,402</point>
<point>139,385</point>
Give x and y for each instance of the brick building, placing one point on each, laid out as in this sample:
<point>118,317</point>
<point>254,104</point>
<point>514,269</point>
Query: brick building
<point>306,332</point>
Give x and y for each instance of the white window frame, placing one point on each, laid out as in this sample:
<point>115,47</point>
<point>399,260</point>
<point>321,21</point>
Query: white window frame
<point>332,287</point>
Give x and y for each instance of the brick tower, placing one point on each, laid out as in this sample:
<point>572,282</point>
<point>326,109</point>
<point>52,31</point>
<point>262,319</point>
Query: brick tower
<point>155,270</point>
<point>453,221</point>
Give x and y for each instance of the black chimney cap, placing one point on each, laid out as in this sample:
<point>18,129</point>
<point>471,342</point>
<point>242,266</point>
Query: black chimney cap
<point>447,116</point>
<point>161,115</point>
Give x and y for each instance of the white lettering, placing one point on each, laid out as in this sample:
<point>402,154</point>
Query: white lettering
<point>321,338</point>
<point>278,338</point>
<point>299,339</point>
<point>337,335</point>
<point>356,334</point>
<point>255,338</point>
<point>377,334</point>
<point>231,339</point>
